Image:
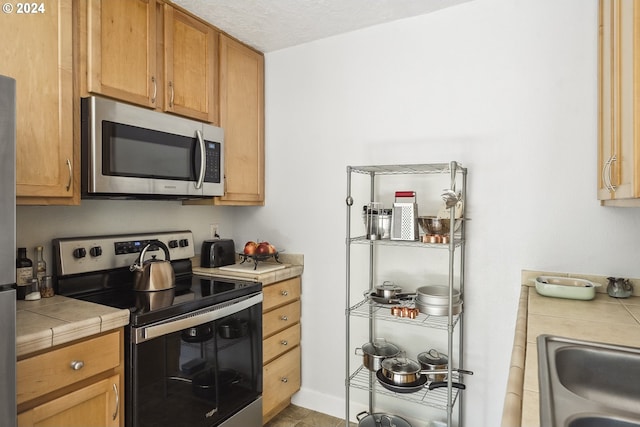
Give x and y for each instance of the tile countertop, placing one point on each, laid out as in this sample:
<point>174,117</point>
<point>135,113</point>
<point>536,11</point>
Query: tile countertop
<point>603,319</point>
<point>293,268</point>
<point>48,322</point>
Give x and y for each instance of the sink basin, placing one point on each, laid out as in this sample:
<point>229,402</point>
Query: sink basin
<point>587,384</point>
<point>601,422</point>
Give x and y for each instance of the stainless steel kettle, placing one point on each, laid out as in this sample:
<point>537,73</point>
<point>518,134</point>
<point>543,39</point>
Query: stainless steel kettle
<point>153,274</point>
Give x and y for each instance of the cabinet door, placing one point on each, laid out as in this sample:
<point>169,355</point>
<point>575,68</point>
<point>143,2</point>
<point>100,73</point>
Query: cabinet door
<point>281,381</point>
<point>619,99</point>
<point>242,117</point>
<point>37,51</point>
<point>121,50</point>
<point>99,404</point>
<point>189,66</point>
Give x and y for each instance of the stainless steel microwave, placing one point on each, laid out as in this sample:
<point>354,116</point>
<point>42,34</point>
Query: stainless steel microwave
<point>131,152</point>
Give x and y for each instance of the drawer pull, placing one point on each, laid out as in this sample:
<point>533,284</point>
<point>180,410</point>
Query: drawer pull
<point>76,365</point>
<point>115,390</point>
<point>284,317</point>
<point>284,342</point>
<point>284,293</point>
<point>284,379</point>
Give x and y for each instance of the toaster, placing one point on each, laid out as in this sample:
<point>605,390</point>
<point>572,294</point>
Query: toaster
<point>217,253</point>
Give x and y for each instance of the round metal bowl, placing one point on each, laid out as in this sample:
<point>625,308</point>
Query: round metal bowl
<point>435,225</point>
<point>439,310</point>
<point>436,295</point>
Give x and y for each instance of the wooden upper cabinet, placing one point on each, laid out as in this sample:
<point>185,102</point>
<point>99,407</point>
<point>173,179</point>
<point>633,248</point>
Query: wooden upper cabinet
<point>121,50</point>
<point>241,95</point>
<point>37,51</point>
<point>151,54</point>
<point>189,55</point>
<point>619,103</point>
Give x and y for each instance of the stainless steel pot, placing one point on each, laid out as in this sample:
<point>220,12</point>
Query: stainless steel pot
<point>433,360</point>
<point>153,274</point>
<point>402,371</point>
<point>373,353</point>
<point>387,290</point>
<point>381,420</point>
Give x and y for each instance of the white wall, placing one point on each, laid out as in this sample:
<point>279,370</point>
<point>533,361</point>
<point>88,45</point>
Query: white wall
<point>38,225</point>
<point>506,87</point>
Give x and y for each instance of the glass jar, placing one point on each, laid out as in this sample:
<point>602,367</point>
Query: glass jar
<point>46,287</point>
<point>32,290</point>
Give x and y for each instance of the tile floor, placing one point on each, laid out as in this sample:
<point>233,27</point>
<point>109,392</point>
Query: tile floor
<point>296,416</point>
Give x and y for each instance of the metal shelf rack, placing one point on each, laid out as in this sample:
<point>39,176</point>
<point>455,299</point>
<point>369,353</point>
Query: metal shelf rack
<point>360,377</point>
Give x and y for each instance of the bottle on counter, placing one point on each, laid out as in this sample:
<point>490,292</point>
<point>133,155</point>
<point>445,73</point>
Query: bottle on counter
<point>24,272</point>
<point>41,266</point>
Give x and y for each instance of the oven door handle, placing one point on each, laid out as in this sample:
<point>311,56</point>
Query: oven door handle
<point>198,318</point>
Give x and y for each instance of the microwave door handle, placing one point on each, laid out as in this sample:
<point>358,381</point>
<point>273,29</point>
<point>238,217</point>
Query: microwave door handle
<point>203,160</point>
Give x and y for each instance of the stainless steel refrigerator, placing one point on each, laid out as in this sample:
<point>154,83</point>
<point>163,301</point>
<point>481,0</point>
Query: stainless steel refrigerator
<point>7,251</point>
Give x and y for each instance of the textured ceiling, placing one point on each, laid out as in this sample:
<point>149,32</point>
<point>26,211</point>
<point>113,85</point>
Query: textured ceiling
<point>269,25</point>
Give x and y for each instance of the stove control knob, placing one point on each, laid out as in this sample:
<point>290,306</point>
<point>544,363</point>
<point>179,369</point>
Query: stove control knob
<point>79,253</point>
<point>95,251</point>
<point>184,243</point>
<point>173,244</point>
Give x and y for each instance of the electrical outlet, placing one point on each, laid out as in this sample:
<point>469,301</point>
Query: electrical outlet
<point>213,231</point>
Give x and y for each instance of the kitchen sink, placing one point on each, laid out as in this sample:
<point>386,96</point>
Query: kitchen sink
<point>587,384</point>
<point>598,421</point>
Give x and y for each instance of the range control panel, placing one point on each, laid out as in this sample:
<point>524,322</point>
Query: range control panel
<point>78,255</point>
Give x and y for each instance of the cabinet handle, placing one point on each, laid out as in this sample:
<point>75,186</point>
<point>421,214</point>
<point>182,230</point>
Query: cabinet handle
<point>606,174</point>
<point>155,89</point>
<point>76,365</point>
<point>284,379</point>
<point>284,293</point>
<point>284,342</point>
<point>70,174</point>
<point>171,97</point>
<point>284,317</point>
<point>115,390</point>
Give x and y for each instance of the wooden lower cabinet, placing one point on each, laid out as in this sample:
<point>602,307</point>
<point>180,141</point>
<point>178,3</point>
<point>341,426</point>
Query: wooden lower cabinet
<point>281,345</point>
<point>94,405</point>
<point>77,384</point>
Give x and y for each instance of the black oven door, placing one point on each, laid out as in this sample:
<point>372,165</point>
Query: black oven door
<point>198,369</point>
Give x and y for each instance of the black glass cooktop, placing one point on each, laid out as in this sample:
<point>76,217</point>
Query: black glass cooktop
<point>191,293</point>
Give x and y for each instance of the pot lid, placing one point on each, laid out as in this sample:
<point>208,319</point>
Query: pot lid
<point>388,286</point>
<point>401,365</point>
<point>381,419</point>
<point>433,357</point>
<point>380,347</point>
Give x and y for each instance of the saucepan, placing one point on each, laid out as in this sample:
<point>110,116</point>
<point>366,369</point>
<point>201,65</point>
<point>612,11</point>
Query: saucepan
<point>388,293</point>
<point>402,371</point>
<point>375,352</point>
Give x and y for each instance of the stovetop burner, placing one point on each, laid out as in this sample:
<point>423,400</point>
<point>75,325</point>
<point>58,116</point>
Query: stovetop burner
<point>95,269</point>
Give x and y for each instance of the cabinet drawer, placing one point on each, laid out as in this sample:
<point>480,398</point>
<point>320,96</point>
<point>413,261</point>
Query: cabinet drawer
<point>281,342</point>
<point>44,373</point>
<point>281,293</point>
<point>280,318</point>
<point>281,380</point>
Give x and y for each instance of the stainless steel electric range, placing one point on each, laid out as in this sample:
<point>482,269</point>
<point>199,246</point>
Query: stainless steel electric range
<point>193,353</point>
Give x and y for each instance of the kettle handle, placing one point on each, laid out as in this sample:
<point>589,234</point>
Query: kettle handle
<point>157,243</point>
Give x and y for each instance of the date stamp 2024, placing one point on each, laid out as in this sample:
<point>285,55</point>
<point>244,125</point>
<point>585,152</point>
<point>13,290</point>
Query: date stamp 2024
<point>23,8</point>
